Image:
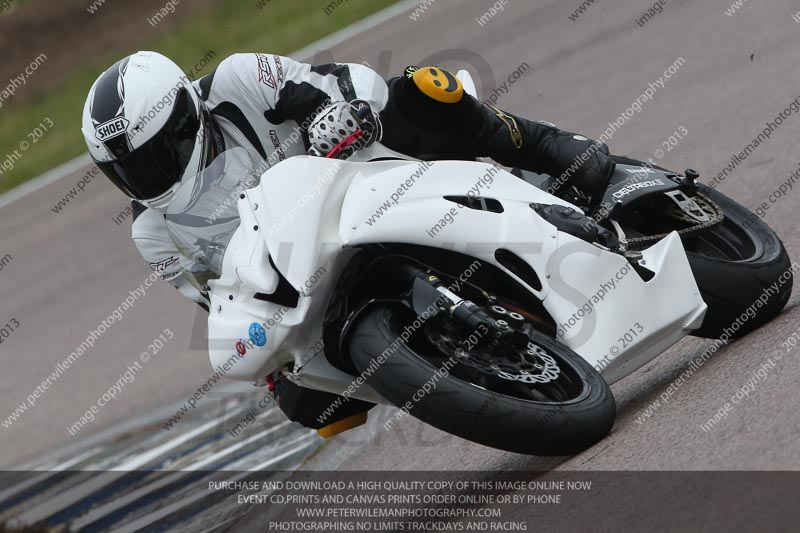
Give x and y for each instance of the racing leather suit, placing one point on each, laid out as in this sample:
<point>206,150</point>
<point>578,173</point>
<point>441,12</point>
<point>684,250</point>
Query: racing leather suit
<point>264,103</point>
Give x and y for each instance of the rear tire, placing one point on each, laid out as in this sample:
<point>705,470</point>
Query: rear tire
<point>475,413</point>
<point>731,286</point>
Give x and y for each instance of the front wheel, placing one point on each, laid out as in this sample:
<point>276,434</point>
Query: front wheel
<point>542,399</point>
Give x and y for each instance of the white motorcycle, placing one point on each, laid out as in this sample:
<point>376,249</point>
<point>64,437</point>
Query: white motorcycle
<point>470,298</point>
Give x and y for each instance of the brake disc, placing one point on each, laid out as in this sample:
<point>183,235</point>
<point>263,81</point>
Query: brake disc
<point>532,366</point>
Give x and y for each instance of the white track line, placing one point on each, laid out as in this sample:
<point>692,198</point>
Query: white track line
<point>95,483</point>
<point>354,29</point>
<point>117,503</point>
<point>50,472</point>
<point>303,54</point>
<point>140,523</point>
<point>45,179</point>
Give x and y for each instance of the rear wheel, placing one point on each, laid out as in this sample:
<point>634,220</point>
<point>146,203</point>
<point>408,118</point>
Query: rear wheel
<point>734,264</point>
<point>537,398</point>
<point>740,265</point>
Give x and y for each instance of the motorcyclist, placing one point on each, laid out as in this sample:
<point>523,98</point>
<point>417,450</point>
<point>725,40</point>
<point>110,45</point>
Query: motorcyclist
<point>149,129</point>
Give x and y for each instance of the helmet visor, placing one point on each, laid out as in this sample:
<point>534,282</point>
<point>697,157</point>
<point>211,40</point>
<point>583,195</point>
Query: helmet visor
<point>151,169</point>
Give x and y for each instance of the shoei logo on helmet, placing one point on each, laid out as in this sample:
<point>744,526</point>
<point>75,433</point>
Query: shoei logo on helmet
<point>112,128</point>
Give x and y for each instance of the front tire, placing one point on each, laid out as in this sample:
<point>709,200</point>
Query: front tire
<point>478,413</point>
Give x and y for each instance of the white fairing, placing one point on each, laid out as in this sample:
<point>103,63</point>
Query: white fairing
<point>311,212</point>
<point>468,83</point>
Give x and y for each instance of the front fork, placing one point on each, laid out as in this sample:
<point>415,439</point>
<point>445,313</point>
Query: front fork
<point>430,295</point>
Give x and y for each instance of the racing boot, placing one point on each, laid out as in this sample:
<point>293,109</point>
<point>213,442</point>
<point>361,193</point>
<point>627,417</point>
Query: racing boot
<point>330,414</point>
<point>429,115</point>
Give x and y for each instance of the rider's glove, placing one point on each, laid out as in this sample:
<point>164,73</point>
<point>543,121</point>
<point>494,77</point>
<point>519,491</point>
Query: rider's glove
<point>339,121</point>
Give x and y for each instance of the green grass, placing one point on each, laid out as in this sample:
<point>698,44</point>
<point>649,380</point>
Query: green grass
<point>282,26</point>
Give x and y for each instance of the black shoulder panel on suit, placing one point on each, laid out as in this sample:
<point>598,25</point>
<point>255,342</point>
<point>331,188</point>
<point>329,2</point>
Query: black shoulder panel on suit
<point>232,112</point>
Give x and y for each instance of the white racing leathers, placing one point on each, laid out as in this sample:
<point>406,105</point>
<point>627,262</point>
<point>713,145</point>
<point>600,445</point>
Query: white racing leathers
<point>264,103</point>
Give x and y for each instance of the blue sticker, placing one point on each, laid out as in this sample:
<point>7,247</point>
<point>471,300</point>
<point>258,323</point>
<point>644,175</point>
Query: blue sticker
<point>258,335</point>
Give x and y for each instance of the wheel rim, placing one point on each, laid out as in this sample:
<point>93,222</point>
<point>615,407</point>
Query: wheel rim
<point>535,373</point>
<point>727,242</point>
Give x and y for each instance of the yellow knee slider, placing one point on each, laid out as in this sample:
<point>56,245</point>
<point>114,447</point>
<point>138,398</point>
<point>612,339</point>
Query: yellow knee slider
<point>437,83</point>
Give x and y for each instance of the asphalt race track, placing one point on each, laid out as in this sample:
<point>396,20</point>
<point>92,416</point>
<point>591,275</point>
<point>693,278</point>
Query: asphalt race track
<point>730,76</point>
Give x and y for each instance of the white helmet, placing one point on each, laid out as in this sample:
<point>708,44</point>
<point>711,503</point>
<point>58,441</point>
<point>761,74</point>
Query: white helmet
<point>146,127</point>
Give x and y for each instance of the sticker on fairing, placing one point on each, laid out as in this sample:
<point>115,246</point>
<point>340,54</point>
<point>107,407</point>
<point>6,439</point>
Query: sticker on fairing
<point>258,335</point>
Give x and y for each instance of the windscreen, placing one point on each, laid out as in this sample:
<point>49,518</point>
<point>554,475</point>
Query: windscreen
<point>203,216</point>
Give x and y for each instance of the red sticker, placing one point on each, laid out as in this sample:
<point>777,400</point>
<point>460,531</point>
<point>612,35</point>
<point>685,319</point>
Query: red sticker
<point>241,349</point>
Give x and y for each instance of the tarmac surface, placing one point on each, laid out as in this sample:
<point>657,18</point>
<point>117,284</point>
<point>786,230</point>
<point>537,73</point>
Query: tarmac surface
<point>730,76</point>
